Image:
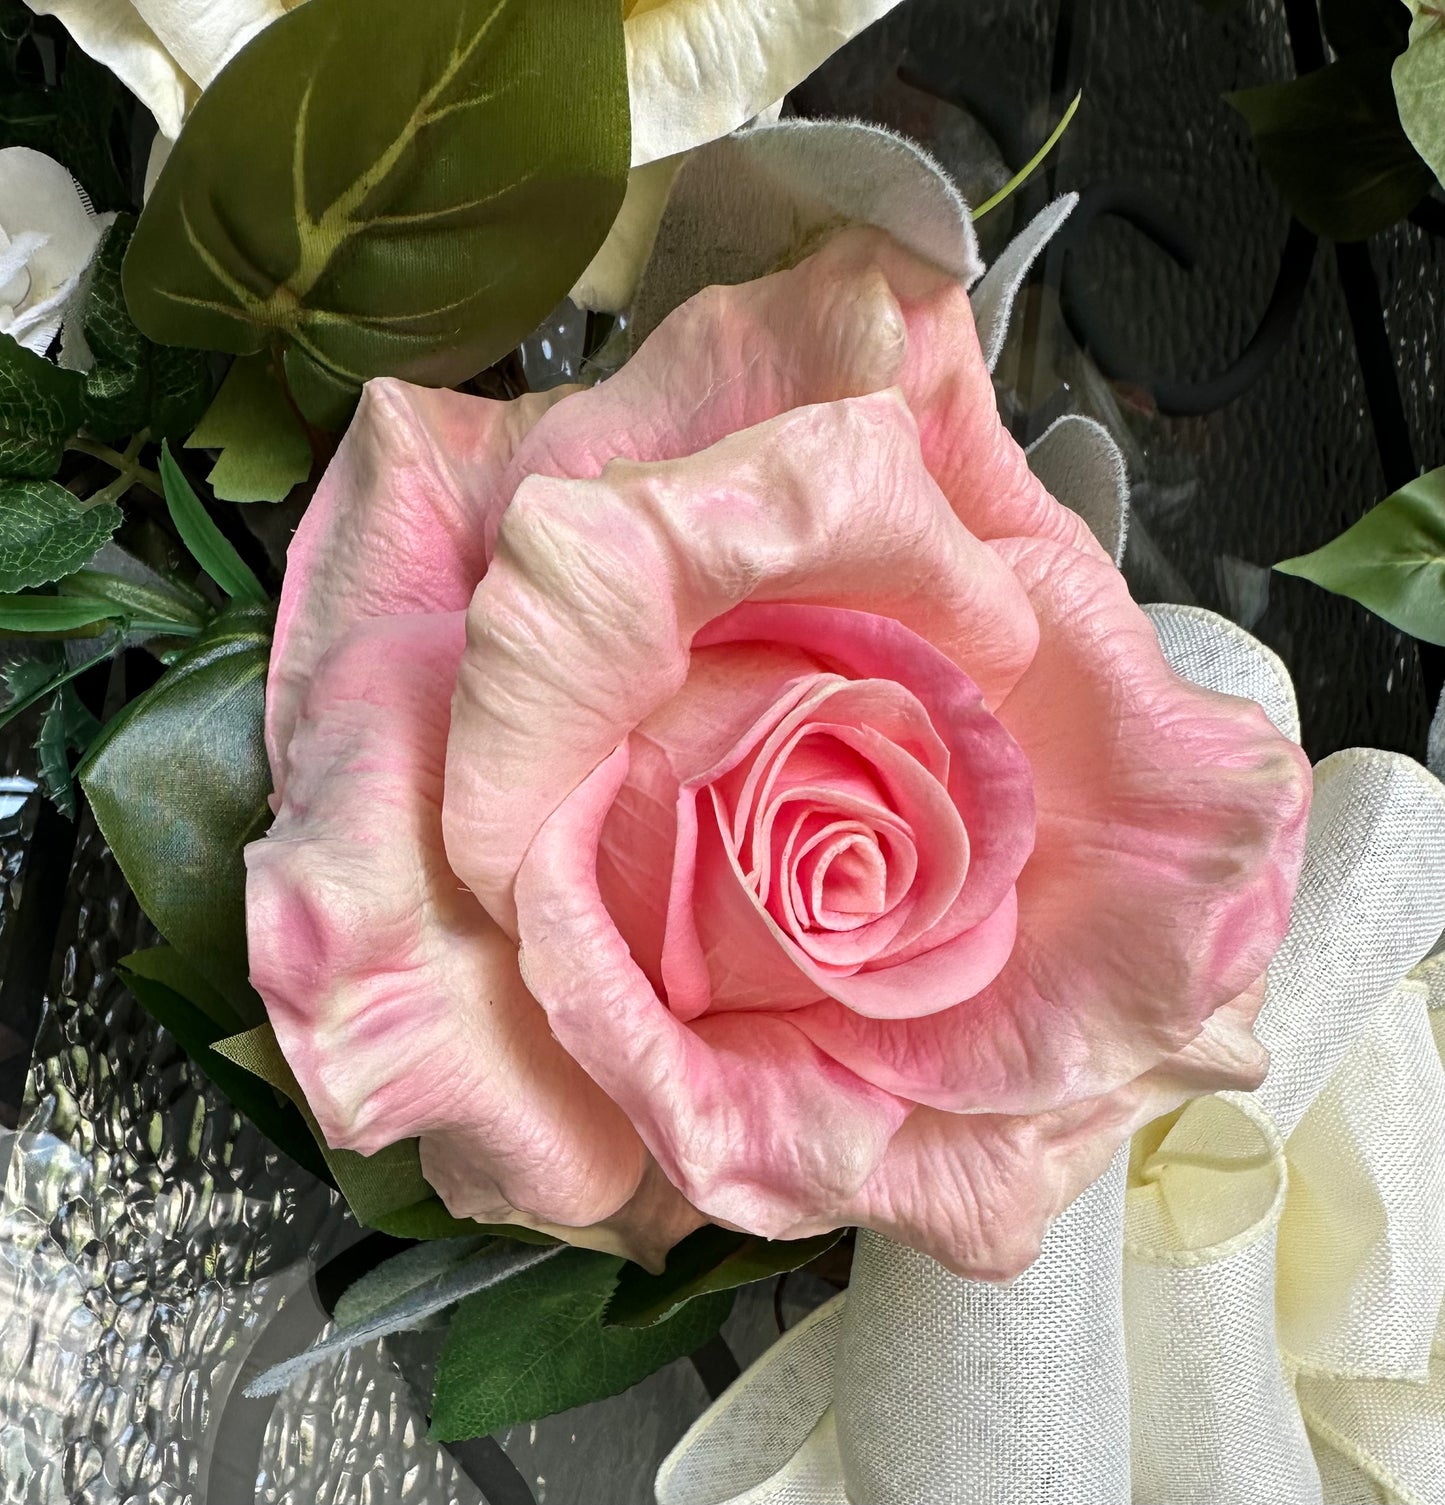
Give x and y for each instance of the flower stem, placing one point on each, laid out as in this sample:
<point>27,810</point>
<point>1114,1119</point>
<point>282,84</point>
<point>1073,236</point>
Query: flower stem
<point>1026,171</point>
<point>131,473</point>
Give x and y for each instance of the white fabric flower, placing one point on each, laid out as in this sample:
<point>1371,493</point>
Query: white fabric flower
<point>696,70</point>
<point>48,235</point>
<point>164,51</point>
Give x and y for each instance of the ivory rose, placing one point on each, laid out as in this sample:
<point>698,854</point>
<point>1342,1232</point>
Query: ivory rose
<point>741,792</point>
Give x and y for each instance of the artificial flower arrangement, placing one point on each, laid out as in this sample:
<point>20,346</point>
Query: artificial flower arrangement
<point>660,822</point>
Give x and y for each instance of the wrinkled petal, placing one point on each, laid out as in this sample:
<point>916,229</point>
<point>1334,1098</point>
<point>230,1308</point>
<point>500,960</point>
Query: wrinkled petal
<point>989,778</point>
<point>403,521</point>
<point>697,69</point>
<point>753,1124</point>
<point>395,999</point>
<point>583,624</point>
<point>950,392</point>
<point>1171,824</point>
<point>43,213</point>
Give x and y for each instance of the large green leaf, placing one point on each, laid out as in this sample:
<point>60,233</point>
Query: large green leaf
<point>711,1259</point>
<point>1333,143</point>
<point>1419,79</point>
<point>178,997</point>
<point>179,784</point>
<point>1391,561</point>
<point>134,384</point>
<point>537,1344</point>
<point>392,189</point>
<point>46,533</point>
<point>39,411</point>
<point>264,449</point>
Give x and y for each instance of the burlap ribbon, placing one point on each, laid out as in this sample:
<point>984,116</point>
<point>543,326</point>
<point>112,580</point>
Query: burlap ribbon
<point>1245,1310</point>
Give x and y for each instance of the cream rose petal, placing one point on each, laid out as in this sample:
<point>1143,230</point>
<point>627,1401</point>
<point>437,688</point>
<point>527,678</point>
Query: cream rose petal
<point>42,211</point>
<point>113,32</point>
<point>698,69</point>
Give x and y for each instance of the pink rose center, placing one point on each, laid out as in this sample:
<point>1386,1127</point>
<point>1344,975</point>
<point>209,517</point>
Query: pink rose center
<point>832,827</point>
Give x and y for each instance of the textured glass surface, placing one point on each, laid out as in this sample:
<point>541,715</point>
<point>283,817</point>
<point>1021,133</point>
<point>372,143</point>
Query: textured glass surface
<point>155,1251</point>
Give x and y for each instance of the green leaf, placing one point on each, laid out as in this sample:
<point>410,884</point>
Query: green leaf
<point>711,1259</point>
<point>134,383</point>
<point>29,684</point>
<point>537,1344</point>
<point>55,616</point>
<point>39,411</point>
<point>179,999</point>
<point>45,533</point>
<point>1418,76</point>
<point>264,450</point>
<point>399,190</point>
<point>1333,144</point>
<point>210,548</point>
<point>444,1285</point>
<point>54,759</point>
<point>66,728</point>
<point>402,1275</point>
<point>159,607</point>
<point>194,745</point>
<point>1392,561</point>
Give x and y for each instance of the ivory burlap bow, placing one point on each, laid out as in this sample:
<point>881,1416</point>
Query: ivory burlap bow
<point>1245,1310</point>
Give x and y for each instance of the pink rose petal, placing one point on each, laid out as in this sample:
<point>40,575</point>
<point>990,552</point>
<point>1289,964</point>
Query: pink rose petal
<point>1171,826</point>
<point>582,627</point>
<point>403,521</point>
<point>396,1000</point>
<point>752,1123</point>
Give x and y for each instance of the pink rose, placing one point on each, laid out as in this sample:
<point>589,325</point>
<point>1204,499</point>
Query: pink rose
<point>741,792</point>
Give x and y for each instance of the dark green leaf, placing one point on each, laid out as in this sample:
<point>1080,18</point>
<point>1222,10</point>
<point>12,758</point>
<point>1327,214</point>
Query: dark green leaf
<point>66,728</point>
<point>264,450</point>
<point>712,1259</point>
<point>393,189</point>
<point>45,533</point>
<point>31,676</point>
<point>194,744</point>
<point>184,1003</point>
<point>28,686</point>
<point>56,616</point>
<point>444,1284</point>
<point>210,548</point>
<point>537,1344</point>
<point>158,607</point>
<point>134,384</point>
<point>1391,561</point>
<point>1333,144</point>
<point>39,411</point>
<point>54,760</point>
